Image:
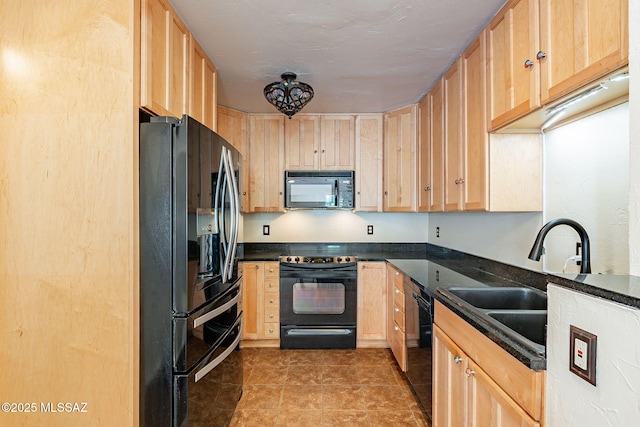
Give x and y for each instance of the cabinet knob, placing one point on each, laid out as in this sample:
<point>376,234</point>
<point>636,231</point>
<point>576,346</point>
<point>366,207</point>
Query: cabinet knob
<point>540,55</point>
<point>397,273</point>
<point>323,151</point>
<point>271,285</point>
<point>271,270</point>
<point>315,151</point>
<point>397,291</point>
<point>397,310</point>
<point>427,188</point>
<point>459,181</point>
<point>270,330</point>
<point>280,193</point>
<point>271,316</point>
<point>457,360</point>
<point>244,193</point>
<point>528,63</point>
<point>270,300</point>
<point>386,193</point>
<point>395,328</point>
<point>469,372</point>
<point>257,267</point>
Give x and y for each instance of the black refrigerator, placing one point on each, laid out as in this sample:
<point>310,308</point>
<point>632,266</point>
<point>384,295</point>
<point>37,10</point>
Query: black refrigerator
<point>190,321</point>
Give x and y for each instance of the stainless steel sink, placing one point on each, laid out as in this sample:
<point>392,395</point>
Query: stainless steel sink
<point>518,312</point>
<point>517,298</point>
<point>530,324</point>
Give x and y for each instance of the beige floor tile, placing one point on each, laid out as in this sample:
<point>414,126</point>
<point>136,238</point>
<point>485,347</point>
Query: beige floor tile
<point>392,418</point>
<point>254,418</point>
<point>261,396</point>
<point>294,418</point>
<point>345,418</point>
<point>301,397</point>
<point>343,397</point>
<point>304,375</point>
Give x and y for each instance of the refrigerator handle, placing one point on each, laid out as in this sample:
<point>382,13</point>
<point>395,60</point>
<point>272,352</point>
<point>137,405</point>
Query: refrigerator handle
<point>227,271</point>
<point>235,210</point>
<point>220,215</point>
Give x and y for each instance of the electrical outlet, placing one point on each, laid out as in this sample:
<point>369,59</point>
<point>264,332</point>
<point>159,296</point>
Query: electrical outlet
<point>265,230</point>
<point>369,229</point>
<point>582,353</point>
<point>437,231</point>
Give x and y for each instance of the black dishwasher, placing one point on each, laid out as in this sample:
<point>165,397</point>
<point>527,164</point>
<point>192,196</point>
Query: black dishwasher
<point>419,327</point>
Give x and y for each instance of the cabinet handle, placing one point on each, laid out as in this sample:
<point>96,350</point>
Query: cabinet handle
<point>459,181</point>
<point>540,55</point>
<point>469,372</point>
<point>427,188</point>
<point>457,359</point>
<point>528,63</point>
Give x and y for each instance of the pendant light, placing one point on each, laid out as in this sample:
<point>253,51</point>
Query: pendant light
<point>288,95</point>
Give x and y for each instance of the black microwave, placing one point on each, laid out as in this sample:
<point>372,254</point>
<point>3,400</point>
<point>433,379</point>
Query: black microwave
<point>319,190</point>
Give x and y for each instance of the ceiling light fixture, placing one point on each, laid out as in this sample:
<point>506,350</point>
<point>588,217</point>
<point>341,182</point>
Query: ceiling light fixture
<point>288,96</point>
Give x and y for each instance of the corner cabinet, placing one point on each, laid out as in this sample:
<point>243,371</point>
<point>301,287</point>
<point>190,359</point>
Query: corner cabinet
<point>266,177</point>
<point>368,167</point>
<point>478,383</point>
<point>400,146</point>
<point>202,86</point>
<point>261,304</point>
<point>372,305</point>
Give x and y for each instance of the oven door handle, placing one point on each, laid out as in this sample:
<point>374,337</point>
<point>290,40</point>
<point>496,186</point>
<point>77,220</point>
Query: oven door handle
<point>423,303</point>
<point>216,312</point>
<point>215,362</point>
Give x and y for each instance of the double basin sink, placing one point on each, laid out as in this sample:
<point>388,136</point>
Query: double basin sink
<point>518,312</point>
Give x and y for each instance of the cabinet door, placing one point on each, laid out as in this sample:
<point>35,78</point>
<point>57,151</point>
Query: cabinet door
<point>489,405</point>
<point>400,145</point>
<point>337,143</point>
<point>582,40</point>
<point>436,114</point>
<point>266,177</point>
<point>453,142</point>
<point>372,302</point>
<point>394,282</point>
<point>369,163</point>
<point>302,139</point>
<point>202,86</point>
<point>164,43</point>
<point>450,383</point>
<point>252,297</point>
<point>475,138</point>
<point>513,37</point>
<point>424,154</point>
<point>232,126</point>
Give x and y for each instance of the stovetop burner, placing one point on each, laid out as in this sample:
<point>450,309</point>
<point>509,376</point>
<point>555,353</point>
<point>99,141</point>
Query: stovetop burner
<point>300,259</point>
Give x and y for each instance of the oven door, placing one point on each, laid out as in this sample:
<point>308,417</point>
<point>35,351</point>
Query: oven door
<point>207,394</point>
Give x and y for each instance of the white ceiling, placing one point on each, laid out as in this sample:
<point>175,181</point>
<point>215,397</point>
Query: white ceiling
<point>359,55</point>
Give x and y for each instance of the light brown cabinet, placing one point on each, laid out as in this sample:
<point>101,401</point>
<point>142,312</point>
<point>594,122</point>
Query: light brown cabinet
<point>266,178</point>
<point>424,154</point>
<point>202,86</point>
<point>396,337</point>
<point>302,142</point>
<point>454,154</point>
<point>436,145</point>
<point>476,382</point>
<point>400,146</point>
<point>261,303</point>
<point>368,167</point>
<point>542,50</point>
<point>372,305</point>
<point>581,41</point>
<point>337,149</point>
<point>164,44</point>
<point>232,126</point>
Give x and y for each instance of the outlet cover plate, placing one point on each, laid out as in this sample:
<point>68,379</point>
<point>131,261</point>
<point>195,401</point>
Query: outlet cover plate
<point>582,353</point>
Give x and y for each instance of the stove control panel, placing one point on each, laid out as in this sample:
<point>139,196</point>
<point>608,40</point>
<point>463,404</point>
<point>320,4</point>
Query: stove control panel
<point>299,259</point>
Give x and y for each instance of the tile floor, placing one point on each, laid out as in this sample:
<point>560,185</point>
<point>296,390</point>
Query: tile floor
<point>362,387</point>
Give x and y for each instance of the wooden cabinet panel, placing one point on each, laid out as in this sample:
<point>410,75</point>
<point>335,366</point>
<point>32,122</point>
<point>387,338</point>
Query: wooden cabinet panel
<point>232,126</point>
<point>164,44</point>
<point>450,385</point>
<point>513,37</point>
<point>372,304</point>
<point>302,140</point>
<point>437,147</point>
<point>582,40</point>
<point>337,150</point>
<point>368,167</point>
<point>424,154</point>
<point>266,180</point>
<point>453,142</point>
<point>400,145</point>
<point>260,301</point>
<point>202,86</point>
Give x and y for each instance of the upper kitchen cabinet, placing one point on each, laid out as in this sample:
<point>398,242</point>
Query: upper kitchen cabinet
<point>436,146</point>
<point>232,126</point>
<point>202,86</point>
<point>454,154</point>
<point>514,75</point>
<point>302,142</point>
<point>542,50</point>
<point>338,142</point>
<point>368,162</point>
<point>424,155</point>
<point>164,41</point>
<point>581,41</point>
<point>400,145</point>
<point>266,180</point>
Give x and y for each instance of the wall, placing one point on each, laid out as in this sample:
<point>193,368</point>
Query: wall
<point>335,226</point>
<point>68,255</point>
<point>634,137</point>
<point>614,401</point>
<point>586,179</point>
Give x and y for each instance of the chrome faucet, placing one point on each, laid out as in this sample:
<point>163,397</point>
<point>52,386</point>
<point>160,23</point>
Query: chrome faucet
<point>536,250</point>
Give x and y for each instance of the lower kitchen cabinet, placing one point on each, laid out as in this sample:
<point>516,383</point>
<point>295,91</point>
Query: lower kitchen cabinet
<point>261,304</point>
<point>372,305</point>
<point>477,383</point>
<point>396,337</point>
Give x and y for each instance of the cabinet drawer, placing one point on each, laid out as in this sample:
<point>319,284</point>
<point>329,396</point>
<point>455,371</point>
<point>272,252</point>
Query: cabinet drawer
<point>398,316</point>
<point>271,284</point>
<point>399,348</point>
<point>271,314</point>
<point>398,298</point>
<point>272,330</point>
<point>271,270</point>
<point>271,299</point>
